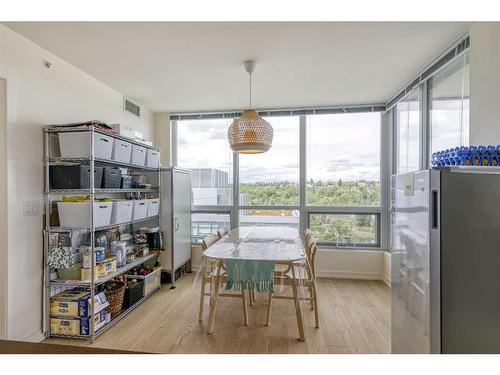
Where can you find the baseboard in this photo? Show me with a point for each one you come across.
(386, 280)
(329, 274)
(35, 337)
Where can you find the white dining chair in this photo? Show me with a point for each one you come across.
(208, 276)
(307, 278)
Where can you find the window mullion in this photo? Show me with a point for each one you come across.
(303, 172)
(235, 214)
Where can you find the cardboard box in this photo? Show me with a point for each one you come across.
(76, 326)
(76, 303)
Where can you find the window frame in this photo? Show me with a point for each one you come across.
(381, 211)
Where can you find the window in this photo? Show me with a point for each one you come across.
(272, 178)
(353, 230)
(341, 155)
(262, 218)
(343, 159)
(408, 132)
(449, 96)
(202, 147)
(203, 224)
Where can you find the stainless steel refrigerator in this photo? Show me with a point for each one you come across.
(445, 261)
(175, 219)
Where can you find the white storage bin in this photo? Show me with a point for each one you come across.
(77, 214)
(153, 207)
(77, 145)
(122, 211)
(153, 158)
(138, 155)
(122, 151)
(140, 210)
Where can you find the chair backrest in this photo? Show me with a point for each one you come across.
(209, 241)
(222, 232)
(307, 233)
(311, 248)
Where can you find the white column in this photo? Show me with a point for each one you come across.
(485, 83)
(163, 137)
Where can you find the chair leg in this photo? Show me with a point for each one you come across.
(253, 296)
(250, 297)
(269, 309)
(202, 298)
(245, 309)
(315, 301)
(311, 295)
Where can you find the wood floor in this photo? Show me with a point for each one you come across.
(354, 318)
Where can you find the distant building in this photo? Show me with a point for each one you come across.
(211, 187)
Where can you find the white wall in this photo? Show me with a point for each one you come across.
(37, 96)
(3, 210)
(485, 83)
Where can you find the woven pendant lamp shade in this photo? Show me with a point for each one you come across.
(250, 134)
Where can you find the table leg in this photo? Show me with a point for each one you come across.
(296, 299)
(211, 318)
(245, 309)
(269, 309)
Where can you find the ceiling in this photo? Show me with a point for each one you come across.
(197, 66)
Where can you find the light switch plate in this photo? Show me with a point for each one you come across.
(31, 208)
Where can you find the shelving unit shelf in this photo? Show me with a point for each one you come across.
(51, 158)
(110, 226)
(103, 279)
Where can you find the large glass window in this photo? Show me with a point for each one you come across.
(449, 97)
(272, 178)
(341, 155)
(202, 146)
(354, 230)
(408, 117)
(343, 159)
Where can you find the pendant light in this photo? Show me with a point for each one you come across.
(250, 133)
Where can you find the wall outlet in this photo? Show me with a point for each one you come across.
(31, 208)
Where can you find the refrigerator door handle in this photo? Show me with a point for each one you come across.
(176, 224)
(435, 210)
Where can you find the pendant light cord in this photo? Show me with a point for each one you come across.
(250, 79)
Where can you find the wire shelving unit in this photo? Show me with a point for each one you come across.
(50, 135)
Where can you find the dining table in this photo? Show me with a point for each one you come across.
(281, 245)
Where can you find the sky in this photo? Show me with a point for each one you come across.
(340, 146)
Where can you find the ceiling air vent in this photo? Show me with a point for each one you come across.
(132, 108)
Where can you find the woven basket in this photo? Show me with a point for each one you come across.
(115, 292)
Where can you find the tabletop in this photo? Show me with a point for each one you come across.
(280, 244)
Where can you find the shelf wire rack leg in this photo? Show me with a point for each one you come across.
(92, 233)
(46, 237)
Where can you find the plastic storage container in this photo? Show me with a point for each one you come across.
(77, 214)
(133, 293)
(122, 151)
(122, 211)
(112, 178)
(127, 182)
(73, 176)
(138, 155)
(140, 210)
(77, 145)
(152, 281)
(153, 158)
(153, 207)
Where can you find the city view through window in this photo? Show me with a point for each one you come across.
(343, 170)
